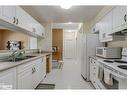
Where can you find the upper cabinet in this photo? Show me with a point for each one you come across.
(15, 17)
(22, 19)
(105, 26)
(119, 18)
(8, 13)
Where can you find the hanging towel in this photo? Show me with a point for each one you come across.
(108, 77)
(100, 72)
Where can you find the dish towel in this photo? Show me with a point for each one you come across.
(108, 77)
(100, 72)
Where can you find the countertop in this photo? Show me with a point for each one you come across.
(112, 66)
(7, 65)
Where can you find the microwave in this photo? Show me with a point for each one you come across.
(109, 52)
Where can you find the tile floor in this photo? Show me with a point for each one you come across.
(68, 78)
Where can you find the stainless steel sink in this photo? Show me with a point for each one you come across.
(17, 59)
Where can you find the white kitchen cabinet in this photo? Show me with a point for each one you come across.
(30, 74)
(105, 28)
(119, 18)
(38, 74)
(24, 74)
(22, 19)
(44, 67)
(8, 78)
(8, 14)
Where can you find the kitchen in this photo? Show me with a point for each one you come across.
(97, 42)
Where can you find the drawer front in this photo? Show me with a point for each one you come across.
(25, 66)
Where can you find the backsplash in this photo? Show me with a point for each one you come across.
(118, 43)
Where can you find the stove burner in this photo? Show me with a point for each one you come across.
(120, 61)
(109, 61)
(123, 67)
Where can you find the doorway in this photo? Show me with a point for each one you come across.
(57, 44)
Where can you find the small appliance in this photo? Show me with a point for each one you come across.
(109, 52)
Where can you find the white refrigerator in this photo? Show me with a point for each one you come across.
(88, 48)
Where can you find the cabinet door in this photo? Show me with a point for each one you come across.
(105, 27)
(25, 80)
(119, 16)
(22, 18)
(44, 67)
(37, 75)
(8, 13)
(8, 78)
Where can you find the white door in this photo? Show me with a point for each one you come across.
(37, 75)
(8, 13)
(8, 78)
(69, 45)
(22, 17)
(25, 80)
(119, 16)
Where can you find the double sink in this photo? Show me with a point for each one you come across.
(16, 59)
(16, 56)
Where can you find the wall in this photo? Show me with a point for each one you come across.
(46, 43)
(57, 40)
(10, 35)
(118, 43)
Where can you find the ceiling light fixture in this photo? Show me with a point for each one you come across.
(66, 6)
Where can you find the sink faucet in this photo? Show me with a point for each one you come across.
(13, 55)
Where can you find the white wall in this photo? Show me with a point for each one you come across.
(78, 45)
(46, 43)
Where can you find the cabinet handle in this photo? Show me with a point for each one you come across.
(125, 17)
(17, 21)
(14, 19)
(32, 70)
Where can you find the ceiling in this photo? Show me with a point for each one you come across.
(56, 14)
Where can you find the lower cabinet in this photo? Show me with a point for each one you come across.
(30, 74)
(8, 79)
(25, 79)
(37, 74)
(44, 67)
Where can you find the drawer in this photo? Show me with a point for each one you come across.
(28, 65)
